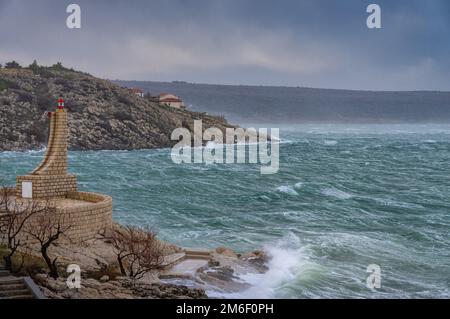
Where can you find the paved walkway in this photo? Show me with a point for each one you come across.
(187, 265)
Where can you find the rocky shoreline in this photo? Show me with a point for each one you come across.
(100, 278)
(120, 288)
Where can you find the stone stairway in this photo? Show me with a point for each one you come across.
(17, 287)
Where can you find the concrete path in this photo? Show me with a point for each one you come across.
(187, 266)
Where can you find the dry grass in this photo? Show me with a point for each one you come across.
(27, 264)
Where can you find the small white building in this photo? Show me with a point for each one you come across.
(138, 92)
(171, 100)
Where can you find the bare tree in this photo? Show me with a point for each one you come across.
(47, 228)
(16, 215)
(138, 250)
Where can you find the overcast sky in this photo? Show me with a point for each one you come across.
(314, 43)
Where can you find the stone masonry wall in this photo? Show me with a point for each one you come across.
(89, 220)
(45, 186)
(86, 221)
(55, 160)
(50, 178)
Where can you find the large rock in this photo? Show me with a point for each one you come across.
(226, 252)
(258, 259)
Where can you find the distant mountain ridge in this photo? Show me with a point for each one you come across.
(266, 104)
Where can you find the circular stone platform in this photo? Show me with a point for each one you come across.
(88, 214)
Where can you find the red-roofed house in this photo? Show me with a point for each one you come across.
(138, 92)
(171, 100)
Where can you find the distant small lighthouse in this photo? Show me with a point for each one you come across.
(60, 103)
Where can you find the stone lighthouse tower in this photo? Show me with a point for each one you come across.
(87, 214)
(50, 179)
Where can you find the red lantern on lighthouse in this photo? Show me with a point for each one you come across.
(60, 103)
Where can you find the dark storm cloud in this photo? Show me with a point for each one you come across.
(300, 42)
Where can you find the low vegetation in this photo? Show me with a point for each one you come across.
(138, 250)
(30, 228)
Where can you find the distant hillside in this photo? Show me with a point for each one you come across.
(102, 115)
(298, 105)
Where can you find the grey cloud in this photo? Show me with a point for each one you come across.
(308, 43)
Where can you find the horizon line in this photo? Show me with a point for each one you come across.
(287, 86)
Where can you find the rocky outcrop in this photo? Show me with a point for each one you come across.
(102, 115)
(102, 280)
(226, 252)
(226, 268)
(120, 288)
(101, 277)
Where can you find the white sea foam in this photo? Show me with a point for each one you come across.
(30, 152)
(285, 266)
(298, 185)
(42, 150)
(287, 190)
(334, 192)
(330, 142)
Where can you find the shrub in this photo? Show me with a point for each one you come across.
(69, 76)
(123, 116)
(25, 96)
(17, 216)
(12, 65)
(105, 125)
(39, 130)
(44, 102)
(25, 264)
(138, 251)
(47, 229)
(6, 84)
(34, 67)
(74, 106)
(44, 72)
(124, 100)
(62, 81)
(5, 101)
(59, 67)
(3, 85)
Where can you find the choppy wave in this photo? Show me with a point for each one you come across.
(287, 190)
(298, 185)
(333, 192)
(330, 142)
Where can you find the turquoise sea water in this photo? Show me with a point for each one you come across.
(345, 197)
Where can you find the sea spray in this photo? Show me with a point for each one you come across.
(288, 263)
(287, 190)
